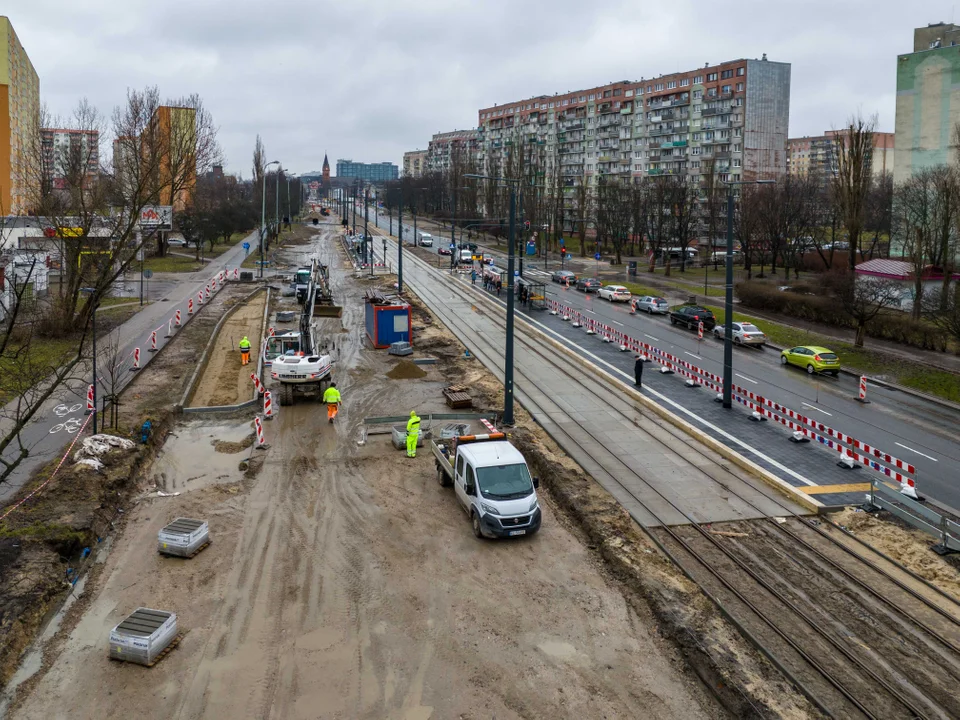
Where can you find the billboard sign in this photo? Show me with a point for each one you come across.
(156, 217)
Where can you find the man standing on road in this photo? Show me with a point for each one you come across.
(499, 286)
(413, 433)
(473, 276)
(638, 371)
(244, 351)
(331, 396)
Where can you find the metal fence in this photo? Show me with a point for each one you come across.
(917, 515)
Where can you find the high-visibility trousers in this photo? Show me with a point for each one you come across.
(331, 411)
(244, 357)
(412, 444)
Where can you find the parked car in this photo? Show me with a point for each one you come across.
(813, 358)
(744, 333)
(589, 285)
(176, 242)
(615, 293)
(444, 250)
(469, 246)
(564, 277)
(691, 316)
(651, 305)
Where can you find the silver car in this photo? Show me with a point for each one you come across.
(651, 305)
(744, 333)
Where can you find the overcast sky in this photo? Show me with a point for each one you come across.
(369, 79)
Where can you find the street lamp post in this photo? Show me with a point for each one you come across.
(728, 299)
(400, 244)
(367, 249)
(277, 204)
(263, 212)
(511, 257)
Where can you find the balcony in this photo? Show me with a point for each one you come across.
(655, 132)
(680, 101)
(710, 111)
(679, 143)
(667, 144)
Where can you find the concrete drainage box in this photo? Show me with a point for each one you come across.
(400, 437)
(183, 537)
(143, 636)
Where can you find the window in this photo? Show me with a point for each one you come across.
(684, 82)
(591, 96)
(711, 77)
(695, 164)
(697, 94)
(640, 90)
(696, 151)
(740, 71)
(659, 87)
(567, 101)
(696, 108)
(726, 74)
(736, 162)
(671, 85)
(583, 98)
(460, 465)
(606, 93)
(696, 137)
(739, 102)
(711, 92)
(723, 134)
(698, 80)
(739, 87)
(649, 88)
(628, 93)
(735, 148)
(737, 131)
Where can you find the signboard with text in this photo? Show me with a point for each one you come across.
(156, 217)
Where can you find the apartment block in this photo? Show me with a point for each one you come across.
(815, 156)
(173, 129)
(928, 100)
(66, 151)
(414, 163)
(730, 119)
(371, 172)
(443, 147)
(19, 112)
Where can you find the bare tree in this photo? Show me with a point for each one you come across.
(863, 298)
(942, 308)
(853, 150)
(914, 226)
(683, 199)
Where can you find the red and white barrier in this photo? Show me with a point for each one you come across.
(136, 359)
(236, 273)
(153, 341)
(90, 405)
(270, 332)
(862, 397)
(200, 298)
(259, 426)
(176, 319)
(488, 425)
(214, 284)
(169, 328)
(699, 332)
(190, 306)
(257, 384)
(206, 293)
(268, 405)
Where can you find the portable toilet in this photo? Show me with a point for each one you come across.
(389, 323)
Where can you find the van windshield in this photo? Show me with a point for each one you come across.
(504, 482)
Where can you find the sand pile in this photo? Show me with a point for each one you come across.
(406, 370)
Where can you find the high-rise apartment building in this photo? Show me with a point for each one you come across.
(371, 172)
(414, 163)
(444, 147)
(815, 156)
(730, 119)
(19, 114)
(65, 151)
(928, 100)
(173, 129)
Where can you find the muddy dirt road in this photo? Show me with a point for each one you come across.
(225, 381)
(343, 582)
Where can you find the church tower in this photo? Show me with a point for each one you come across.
(326, 171)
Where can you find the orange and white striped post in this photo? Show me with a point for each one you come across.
(136, 360)
(190, 306)
(862, 396)
(176, 318)
(90, 405)
(153, 341)
(268, 405)
(259, 426)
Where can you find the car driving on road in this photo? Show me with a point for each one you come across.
(744, 333)
(442, 250)
(564, 277)
(813, 358)
(651, 305)
(589, 285)
(615, 293)
(691, 316)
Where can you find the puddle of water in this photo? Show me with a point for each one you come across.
(188, 460)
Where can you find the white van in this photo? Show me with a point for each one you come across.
(465, 257)
(492, 483)
(426, 239)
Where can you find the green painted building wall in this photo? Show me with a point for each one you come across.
(928, 109)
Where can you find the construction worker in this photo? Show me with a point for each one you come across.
(331, 396)
(413, 433)
(244, 351)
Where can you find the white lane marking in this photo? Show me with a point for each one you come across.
(617, 323)
(746, 378)
(814, 407)
(691, 354)
(652, 337)
(916, 451)
(590, 311)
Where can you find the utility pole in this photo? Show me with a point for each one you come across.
(508, 353)
(453, 228)
(354, 203)
(400, 244)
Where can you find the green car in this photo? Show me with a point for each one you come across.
(814, 359)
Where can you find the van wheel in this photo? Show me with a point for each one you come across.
(475, 522)
(442, 477)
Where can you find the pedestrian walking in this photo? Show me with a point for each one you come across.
(638, 371)
(331, 396)
(499, 286)
(413, 433)
(473, 277)
(244, 351)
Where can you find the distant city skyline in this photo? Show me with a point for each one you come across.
(374, 100)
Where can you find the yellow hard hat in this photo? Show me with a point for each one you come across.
(413, 413)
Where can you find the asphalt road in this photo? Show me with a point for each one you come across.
(60, 420)
(918, 432)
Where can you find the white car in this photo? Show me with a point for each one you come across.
(650, 305)
(426, 239)
(744, 333)
(615, 293)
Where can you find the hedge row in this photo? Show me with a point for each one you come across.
(816, 306)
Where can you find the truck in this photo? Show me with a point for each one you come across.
(492, 484)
